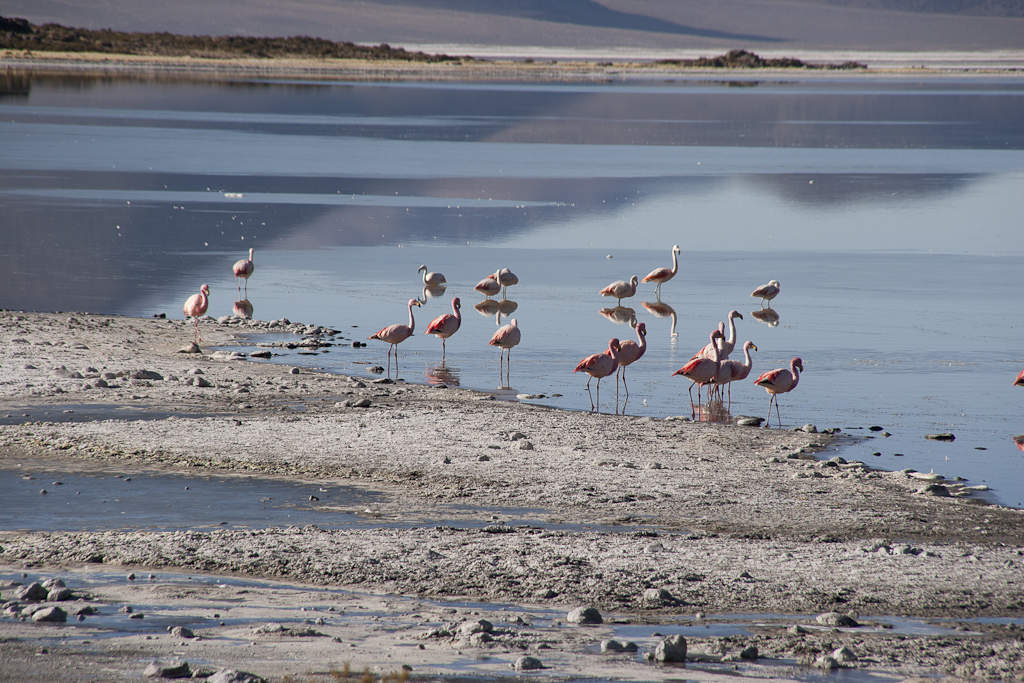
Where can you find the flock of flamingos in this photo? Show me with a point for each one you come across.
(709, 367)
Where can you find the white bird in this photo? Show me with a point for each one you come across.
(663, 275)
(620, 289)
(431, 279)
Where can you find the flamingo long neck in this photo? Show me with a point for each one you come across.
(250, 253)
(424, 276)
(747, 362)
(412, 323)
(675, 262)
(732, 331)
(203, 300)
(796, 375)
(614, 353)
(455, 310)
(715, 356)
(641, 341)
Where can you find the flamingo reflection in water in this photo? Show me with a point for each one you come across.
(1019, 441)
(662, 310)
(498, 309)
(396, 334)
(600, 365)
(506, 337)
(768, 316)
(243, 308)
(431, 292)
(622, 315)
(447, 375)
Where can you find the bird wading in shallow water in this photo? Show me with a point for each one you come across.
(244, 268)
(506, 278)
(630, 352)
(488, 286)
(600, 365)
(780, 381)
(735, 371)
(701, 371)
(446, 325)
(766, 292)
(620, 289)
(504, 338)
(431, 279)
(195, 307)
(663, 275)
(396, 334)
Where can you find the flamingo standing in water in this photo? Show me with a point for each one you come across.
(600, 365)
(244, 268)
(780, 381)
(506, 337)
(663, 275)
(629, 353)
(766, 292)
(431, 279)
(735, 371)
(446, 325)
(701, 370)
(396, 334)
(620, 289)
(195, 307)
(1019, 382)
(506, 278)
(488, 286)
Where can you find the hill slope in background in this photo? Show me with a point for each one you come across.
(894, 25)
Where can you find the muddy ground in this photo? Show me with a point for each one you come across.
(716, 519)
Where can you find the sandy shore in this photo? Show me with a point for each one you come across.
(717, 519)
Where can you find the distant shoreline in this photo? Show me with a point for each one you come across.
(578, 70)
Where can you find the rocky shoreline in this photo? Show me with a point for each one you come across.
(716, 519)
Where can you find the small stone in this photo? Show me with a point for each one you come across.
(658, 597)
(233, 676)
(934, 490)
(836, 619)
(294, 371)
(51, 614)
(147, 374)
(34, 592)
(59, 594)
(182, 632)
(480, 639)
(176, 670)
(671, 649)
(809, 428)
(191, 348)
(478, 626)
(826, 662)
(362, 403)
(202, 382)
(528, 664)
(844, 654)
(584, 615)
(525, 446)
(944, 436)
(875, 428)
(797, 630)
(749, 653)
(618, 646)
(748, 421)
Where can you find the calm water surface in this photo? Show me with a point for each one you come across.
(888, 208)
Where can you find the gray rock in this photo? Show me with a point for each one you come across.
(659, 597)
(528, 664)
(295, 371)
(191, 348)
(584, 615)
(232, 676)
(825, 662)
(525, 446)
(748, 421)
(101, 384)
(480, 639)
(944, 436)
(260, 354)
(383, 380)
(797, 630)
(50, 614)
(175, 670)
(146, 374)
(934, 490)
(671, 649)
(34, 592)
(844, 655)
(182, 632)
(749, 653)
(59, 594)
(809, 428)
(53, 583)
(478, 626)
(618, 646)
(836, 619)
(516, 436)
(361, 403)
(202, 382)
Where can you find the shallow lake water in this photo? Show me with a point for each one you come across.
(887, 207)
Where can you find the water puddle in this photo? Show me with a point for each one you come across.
(46, 495)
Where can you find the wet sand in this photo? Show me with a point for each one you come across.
(735, 519)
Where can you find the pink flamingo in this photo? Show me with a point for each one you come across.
(629, 353)
(735, 371)
(488, 286)
(506, 337)
(663, 275)
(431, 279)
(600, 365)
(1019, 382)
(446, 325)
(707, 351)
(700, 371)
(195, 307)
(396, 334)
(766, 292)
(620, 289)
(780, 381)
(244, 268)
(506, 278)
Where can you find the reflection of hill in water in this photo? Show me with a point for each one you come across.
(69, 254)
